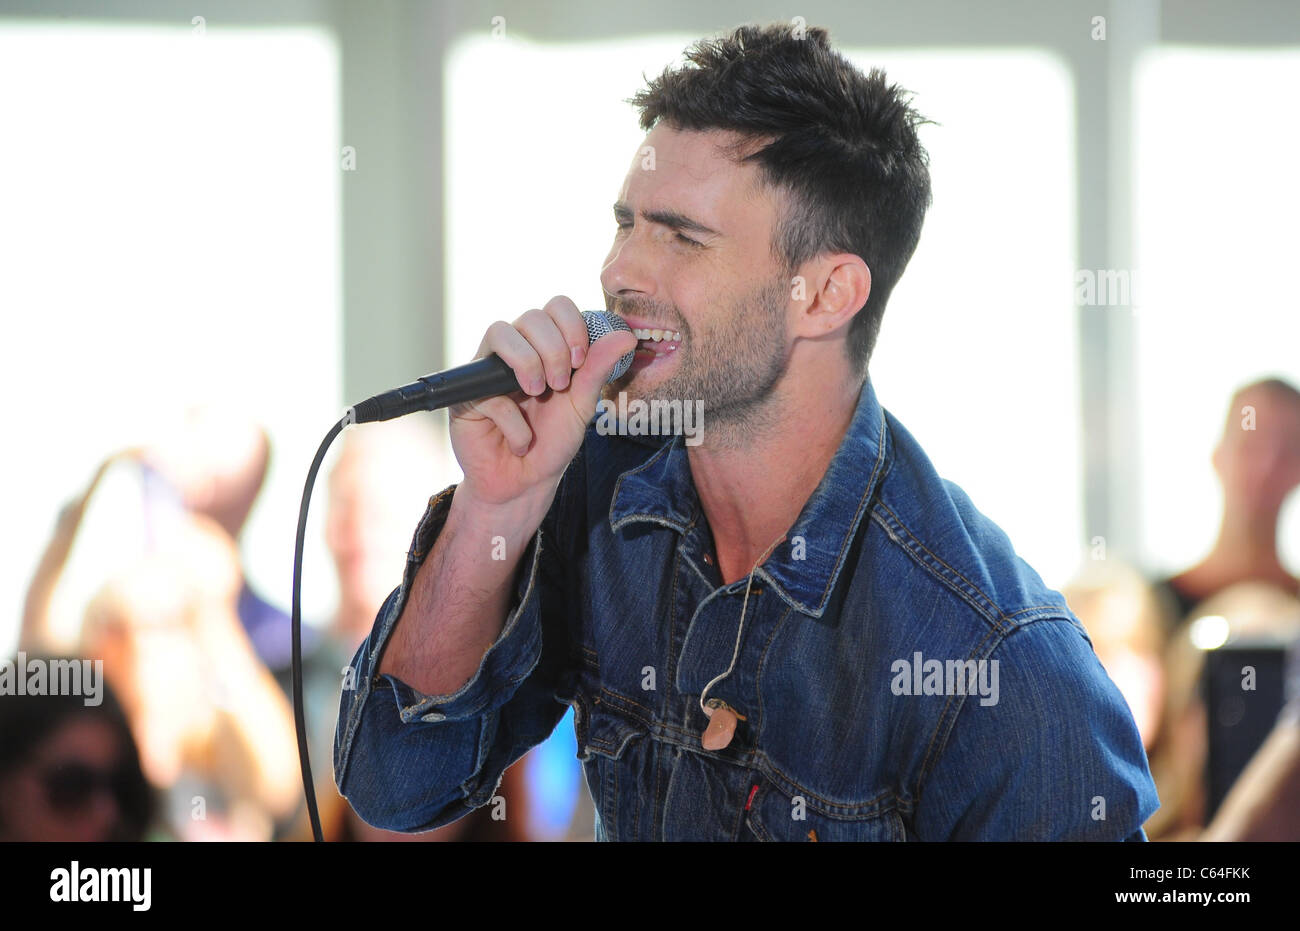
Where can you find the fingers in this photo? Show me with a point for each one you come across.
(508, 343)
(548, 343)
(569, 319)
(547, 349)
(508, 418)
(542, 347)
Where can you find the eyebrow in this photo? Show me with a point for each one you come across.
(669, 218)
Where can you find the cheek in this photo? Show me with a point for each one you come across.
(704, 306)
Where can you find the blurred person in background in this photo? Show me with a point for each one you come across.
(214, 729)
(381, 472)
(142, 571)
(70, 772)
(42, 629)
(213, 463)
(218, 461)
(1258, 464)
(1179, 747)
(1242, 579)
(1180, 752)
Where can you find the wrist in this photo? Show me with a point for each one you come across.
(516, 519)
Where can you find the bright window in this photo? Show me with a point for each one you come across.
(1217, 195)
(169, 236)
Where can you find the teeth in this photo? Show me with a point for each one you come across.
(658, 336)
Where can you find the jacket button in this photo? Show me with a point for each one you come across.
(433, 716)
(708, 560)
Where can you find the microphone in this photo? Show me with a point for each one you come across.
(482, 378)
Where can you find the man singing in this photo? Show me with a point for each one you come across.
(792, 629)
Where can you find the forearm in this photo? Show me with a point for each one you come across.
(460, 739)
(461, 594)
(1264, 803)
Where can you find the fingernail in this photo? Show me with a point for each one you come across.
(575, 353)
(537, 385)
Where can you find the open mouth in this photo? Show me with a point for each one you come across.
(656, 342)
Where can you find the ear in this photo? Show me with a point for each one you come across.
(829, 292)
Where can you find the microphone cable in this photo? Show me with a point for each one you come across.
(299, 712)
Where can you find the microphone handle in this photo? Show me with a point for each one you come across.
(482, 378)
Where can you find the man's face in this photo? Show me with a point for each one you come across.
(693, 257)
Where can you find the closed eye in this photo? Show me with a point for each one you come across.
(684, 240)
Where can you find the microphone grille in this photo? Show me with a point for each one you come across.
(599, 323)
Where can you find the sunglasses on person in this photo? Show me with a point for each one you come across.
(70, 786)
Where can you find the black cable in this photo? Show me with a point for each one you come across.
(299, 714)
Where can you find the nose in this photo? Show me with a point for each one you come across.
(627, 269)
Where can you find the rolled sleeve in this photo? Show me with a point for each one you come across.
(440, 756)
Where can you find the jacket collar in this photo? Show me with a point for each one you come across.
(805, 567)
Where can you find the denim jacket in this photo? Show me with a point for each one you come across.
(900, 673)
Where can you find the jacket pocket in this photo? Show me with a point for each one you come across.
(604, 740)
(605, 733)
(776, 815)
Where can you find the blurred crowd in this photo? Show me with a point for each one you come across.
(194, 736)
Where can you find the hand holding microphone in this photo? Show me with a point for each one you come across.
(482, 378)
(513, 453)
(507, 445)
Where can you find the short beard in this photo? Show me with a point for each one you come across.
(732, 365)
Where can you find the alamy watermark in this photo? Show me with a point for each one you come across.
(920, 676)
(22, 676)
(103, 884)
(655, 417)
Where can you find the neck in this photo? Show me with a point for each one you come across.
(1247, 539)
(753, 479)
(1246, 550)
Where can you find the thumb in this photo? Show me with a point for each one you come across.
(590, 378)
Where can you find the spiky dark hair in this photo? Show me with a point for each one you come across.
(843, 145)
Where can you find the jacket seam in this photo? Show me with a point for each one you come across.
(975, 597)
